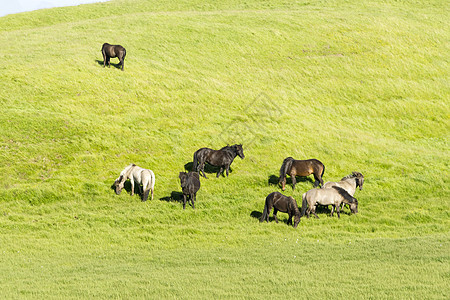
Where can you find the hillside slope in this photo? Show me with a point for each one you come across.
(361, 87)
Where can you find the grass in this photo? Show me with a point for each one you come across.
(360, 86)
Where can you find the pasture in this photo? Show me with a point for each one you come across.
(361, 86)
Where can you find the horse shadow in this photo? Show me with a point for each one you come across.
(208, 168)
(174, 196)
(117, 66)
(274, 180)
(257, 215)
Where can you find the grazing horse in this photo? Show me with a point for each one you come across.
(301, 168)
(109, 51)
(348, 183)
(137, 175)
(220, 158)
(282, 203)
(190, 184)
(327, 196)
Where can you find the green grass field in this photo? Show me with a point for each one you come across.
(361, 86)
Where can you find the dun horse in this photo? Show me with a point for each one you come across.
(294, 168)
(348, 183)
(190, 184)
(327, 196)
(280, 202)
(137, 175)
(220, 158)
(111, 51)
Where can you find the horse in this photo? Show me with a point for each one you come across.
(109, 51)
(137, 175)
(282, 203)
(301, 168)
(348, 183)
(190, 184)
(327, 196)
(220, 158)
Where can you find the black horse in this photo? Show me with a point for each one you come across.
(220, 158)
(190, 184)
(109, 51)
(282, 203)
(295, 167)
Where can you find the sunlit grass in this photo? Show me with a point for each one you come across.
(359, 87)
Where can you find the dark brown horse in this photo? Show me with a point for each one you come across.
(190, 184)
(280, 202)
(307, 167)
(220, 158)
(109, 51)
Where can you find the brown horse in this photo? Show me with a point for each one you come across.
(109, 51)
(190, 184)
(301, 168)
(280, 202)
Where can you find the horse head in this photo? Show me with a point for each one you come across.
(359, 179)
(354, 206)
(183, 177)
(297, 213)
(118, 184)
(239, 150)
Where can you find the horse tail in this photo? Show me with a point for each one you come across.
(152, 184)
(194, 164)
(266, 212)
(145, 196)
(323, 169)
(287, 164)
(303, 205)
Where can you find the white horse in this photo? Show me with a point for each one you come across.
(348, 183)
(327, 196)
(138, 175)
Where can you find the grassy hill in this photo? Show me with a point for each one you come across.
(360, 86)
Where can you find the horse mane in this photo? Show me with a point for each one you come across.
(344, 194)
(349, 176)
(229, 149)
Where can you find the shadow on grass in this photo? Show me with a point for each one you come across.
(117, 66)
(257, 215)
(174, 197)
(208, 169)
(273, 180)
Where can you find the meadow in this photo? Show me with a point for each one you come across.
(361, 86)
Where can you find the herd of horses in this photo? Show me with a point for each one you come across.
(336, 194)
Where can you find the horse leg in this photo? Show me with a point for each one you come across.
(294, 181)
(220, 171)
(121, 61)
(338, 210)
(314, 212)
(318, 180)
(184, 201)
(193, 200)
(275, 214)
(152, 192)
(228, 169)
(104, 58)
(132, 187)
(332, 209)
(202, 169)
(289, 222)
